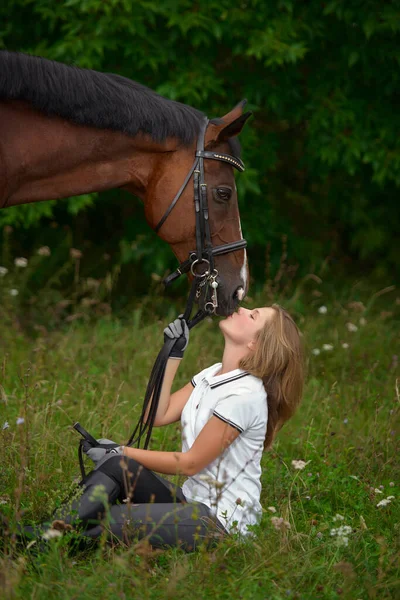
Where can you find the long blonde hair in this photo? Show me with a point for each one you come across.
(278, 359)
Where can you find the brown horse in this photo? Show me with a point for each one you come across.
(66, 131)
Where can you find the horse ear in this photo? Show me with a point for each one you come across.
(230, 125)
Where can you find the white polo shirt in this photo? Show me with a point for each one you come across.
(230, 486)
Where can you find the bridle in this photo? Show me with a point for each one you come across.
(202, 257)
(204, 254)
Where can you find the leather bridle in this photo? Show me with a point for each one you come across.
(203, 256)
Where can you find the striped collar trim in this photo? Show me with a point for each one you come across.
(215, 381)
(228, 380)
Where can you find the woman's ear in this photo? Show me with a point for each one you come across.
(251, 345)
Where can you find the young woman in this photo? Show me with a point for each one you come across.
(230, 412)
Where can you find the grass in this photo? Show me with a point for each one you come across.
(346, 430)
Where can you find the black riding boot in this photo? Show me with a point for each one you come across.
(85, 511)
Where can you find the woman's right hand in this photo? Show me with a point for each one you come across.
(177, 330)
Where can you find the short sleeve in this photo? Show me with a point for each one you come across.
(239, 410)
(197, 378)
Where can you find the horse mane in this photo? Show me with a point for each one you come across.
(94, 99)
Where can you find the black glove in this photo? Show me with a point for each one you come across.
(177, 330)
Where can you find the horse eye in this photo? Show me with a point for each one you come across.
(223, 193)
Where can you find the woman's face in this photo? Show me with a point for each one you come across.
(242, 326)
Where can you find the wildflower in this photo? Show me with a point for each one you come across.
(338, 517)
(20, 420)
(345, 346)
(351, 327)
(51, 533)
(316, 351)
(391, 484)
(322, 310)
(345, 421)
(5, 425)
(385, 501)
(44, 251)
(75, 253)
(342, 534)
(271, 508)
(14, 292)
(327, 347)
(21, 262)
(279, 523)
(378, 491)
(3, 271)
(299, 464)
(319, 535)
(362, 321)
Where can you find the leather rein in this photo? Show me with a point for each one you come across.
(202, 257)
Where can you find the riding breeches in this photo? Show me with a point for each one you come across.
(152, 507)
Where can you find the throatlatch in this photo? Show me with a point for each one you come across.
(201, 265)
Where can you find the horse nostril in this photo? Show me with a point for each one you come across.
(239, 294)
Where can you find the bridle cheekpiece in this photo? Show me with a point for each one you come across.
(205, 251)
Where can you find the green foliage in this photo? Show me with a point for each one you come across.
(322, 78)
(345, 430)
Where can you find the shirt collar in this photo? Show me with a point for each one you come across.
(218, 380)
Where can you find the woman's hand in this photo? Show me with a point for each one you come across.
(105, 450)
(177, 330)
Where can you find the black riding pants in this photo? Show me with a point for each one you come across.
(157, 510)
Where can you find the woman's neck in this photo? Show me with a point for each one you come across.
(231, 358)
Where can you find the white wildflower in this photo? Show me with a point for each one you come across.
(378, 491)
(345, 345)
(351, 327)
(342, 533)
(5, 425)
(20, 420)
(299, 464)
(21, 262)
(316, 351)
(271, 508)
(51, 533)
(338, 517)
(44, 251)
(279, 523)
(345, 421)
(391, 484)
(322, 310)
(385, 501)
(14, 292)
(3, 271)
(362, 321)
(2, 501)
(327, 347)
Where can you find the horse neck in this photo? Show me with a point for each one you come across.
(46, 158)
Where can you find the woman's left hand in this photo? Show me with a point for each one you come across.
(106, 449)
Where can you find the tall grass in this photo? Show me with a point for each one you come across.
(346, 431)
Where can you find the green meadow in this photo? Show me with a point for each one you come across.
(330, 529)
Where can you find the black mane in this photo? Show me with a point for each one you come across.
(101, 100)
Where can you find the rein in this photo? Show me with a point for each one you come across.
(201, 258)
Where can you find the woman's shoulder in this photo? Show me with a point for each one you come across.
(211, 370)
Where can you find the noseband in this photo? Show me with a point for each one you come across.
(203, 256)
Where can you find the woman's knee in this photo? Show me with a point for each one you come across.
(118, 464)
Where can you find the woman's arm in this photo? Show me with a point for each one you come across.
(170, 406)
(165, 394)
(212, 440)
